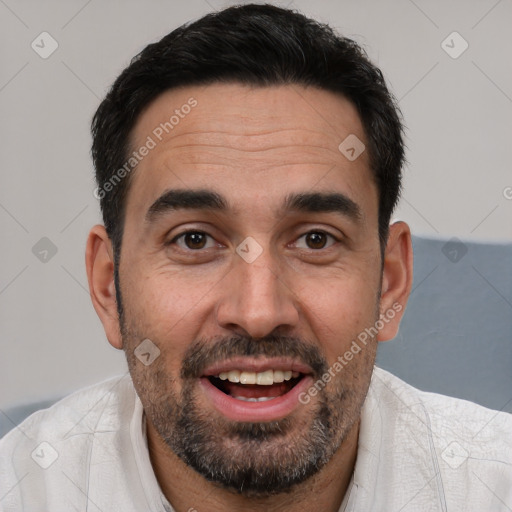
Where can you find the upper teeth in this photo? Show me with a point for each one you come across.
(265, 378)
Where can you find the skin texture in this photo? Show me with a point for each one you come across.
(308, 298)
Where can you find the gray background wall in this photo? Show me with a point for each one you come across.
(457, 182)
(456, 335)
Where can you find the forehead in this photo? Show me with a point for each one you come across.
(249, 143)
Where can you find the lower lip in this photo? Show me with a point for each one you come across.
(269, 410)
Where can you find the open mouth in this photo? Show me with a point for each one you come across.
(256, 390)
(256, 387)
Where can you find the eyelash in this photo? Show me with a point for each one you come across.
(195, 231)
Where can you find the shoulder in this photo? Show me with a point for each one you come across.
(76, 412)
(462, 447)
(446, 414)
(56, 443)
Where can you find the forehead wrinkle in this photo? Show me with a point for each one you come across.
(273, 157)
(250, 142)
(295, 154)
(254, 150)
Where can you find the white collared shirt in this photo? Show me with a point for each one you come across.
(417, 452)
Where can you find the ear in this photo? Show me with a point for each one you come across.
(99, 263)
(396, 279)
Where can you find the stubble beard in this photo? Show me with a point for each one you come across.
(254, 459)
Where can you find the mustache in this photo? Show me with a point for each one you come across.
(204, 353)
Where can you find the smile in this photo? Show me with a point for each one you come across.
(256, 390)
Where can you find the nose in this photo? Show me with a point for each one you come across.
(257, 299)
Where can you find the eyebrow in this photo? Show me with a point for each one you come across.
(323, 202)
(186, 199)
(202, 199)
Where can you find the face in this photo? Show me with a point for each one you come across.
(251, 260)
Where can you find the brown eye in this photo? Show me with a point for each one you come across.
(192, 240)
(316, 240)
(195, 240)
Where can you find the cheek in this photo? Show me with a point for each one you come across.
(168, 309)
(338, 313)
(159, 300)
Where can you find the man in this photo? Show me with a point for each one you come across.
(247, 166)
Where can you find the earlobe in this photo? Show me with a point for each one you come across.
(100, 275)
(396, 279)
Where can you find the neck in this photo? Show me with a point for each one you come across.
(187, 490)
